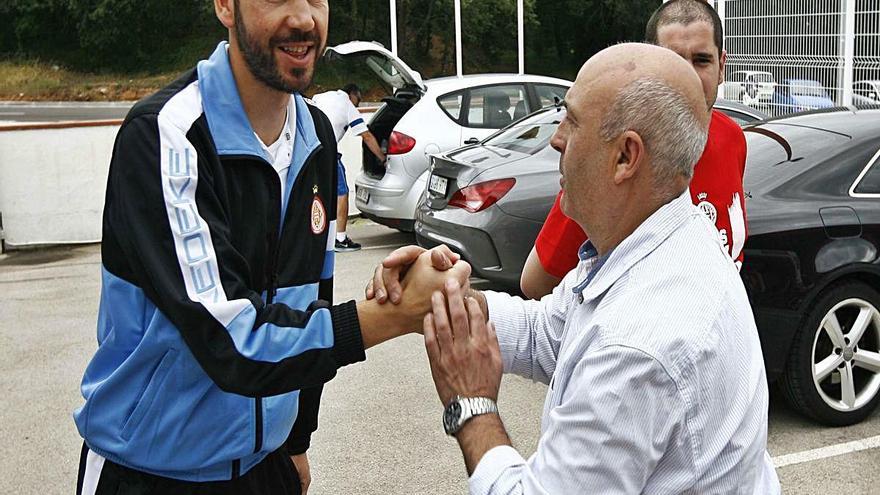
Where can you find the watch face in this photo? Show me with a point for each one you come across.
(451, 416)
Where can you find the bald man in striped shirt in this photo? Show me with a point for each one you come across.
(649, 347)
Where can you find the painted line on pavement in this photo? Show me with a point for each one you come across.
(826, 452)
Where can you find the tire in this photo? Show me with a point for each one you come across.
(821, 368)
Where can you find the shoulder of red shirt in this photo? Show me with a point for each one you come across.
(724, 127)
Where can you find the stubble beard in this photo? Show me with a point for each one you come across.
(261, 61)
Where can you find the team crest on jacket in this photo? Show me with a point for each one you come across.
(707, 208)
(319, 214)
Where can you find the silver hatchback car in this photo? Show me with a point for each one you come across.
(428, 117)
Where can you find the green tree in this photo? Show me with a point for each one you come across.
(137, 35)
(37, 28)
(162, 35)
(570, 31)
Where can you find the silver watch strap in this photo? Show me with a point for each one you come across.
(470, 407)
(480, 405)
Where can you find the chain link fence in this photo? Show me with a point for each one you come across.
(786, 56)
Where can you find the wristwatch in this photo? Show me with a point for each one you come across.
(462, 409)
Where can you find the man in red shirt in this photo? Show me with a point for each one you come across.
(692, 29)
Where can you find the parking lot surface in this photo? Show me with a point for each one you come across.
(380, 430)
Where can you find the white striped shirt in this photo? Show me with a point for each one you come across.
(655, 370)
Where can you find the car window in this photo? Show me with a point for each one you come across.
(494, 107)
(547, 94)
(870, 181)
(385, 69)
(739, 118)
(530, 135)
(865, 90)
(807, 88)
(451, 104)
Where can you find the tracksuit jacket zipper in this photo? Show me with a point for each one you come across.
(271, 290)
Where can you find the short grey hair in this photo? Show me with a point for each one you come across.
(667, 124)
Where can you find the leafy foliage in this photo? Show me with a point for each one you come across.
(162, 35)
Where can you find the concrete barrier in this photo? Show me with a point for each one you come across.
(53, 178)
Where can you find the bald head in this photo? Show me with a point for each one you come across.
(636, 124)
(613, 68)
(655, 93)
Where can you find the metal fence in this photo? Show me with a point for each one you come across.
(785, 56)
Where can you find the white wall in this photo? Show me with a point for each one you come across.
(352, 157)
(52, 182)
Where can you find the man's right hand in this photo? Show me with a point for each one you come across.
(423, 279)
(411, 273)
(386, 282)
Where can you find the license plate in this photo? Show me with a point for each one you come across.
(362, 194)
(438, 185)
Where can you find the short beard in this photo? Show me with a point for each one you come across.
(261, 62)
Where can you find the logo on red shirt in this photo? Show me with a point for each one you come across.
(707, 207)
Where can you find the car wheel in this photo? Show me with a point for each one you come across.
(833, 369)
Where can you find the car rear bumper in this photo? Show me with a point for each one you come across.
(482, 239)
(392, 198)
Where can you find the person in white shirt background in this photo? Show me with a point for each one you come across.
(341, 108)
(649, 347)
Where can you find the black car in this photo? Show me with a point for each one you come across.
(812, 268)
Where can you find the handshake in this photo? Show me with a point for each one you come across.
(427, 291)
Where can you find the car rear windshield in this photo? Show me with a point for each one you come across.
(779, 151)
(530, 135)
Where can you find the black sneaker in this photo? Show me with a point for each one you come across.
(347, 245)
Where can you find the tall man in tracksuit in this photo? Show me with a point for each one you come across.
(215, 327)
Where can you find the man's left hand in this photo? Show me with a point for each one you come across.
(301, 462)
(462, 347)
(385, 284)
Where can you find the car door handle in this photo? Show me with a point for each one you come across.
(472, 141)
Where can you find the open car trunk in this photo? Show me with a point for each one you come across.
(388, 115)
(394, 72)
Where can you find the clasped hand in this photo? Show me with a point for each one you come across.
(462, 346)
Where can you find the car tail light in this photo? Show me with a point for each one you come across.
(480, 196)
(399, 143)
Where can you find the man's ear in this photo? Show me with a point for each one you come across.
(630, 155)
(721, 63)
(225, 12)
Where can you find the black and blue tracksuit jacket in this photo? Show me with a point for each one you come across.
(215, 326)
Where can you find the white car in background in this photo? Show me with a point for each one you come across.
(866, 93)
(749, 86)
(428, 117)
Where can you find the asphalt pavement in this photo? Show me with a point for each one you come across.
(380, 430)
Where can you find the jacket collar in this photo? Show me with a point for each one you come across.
(229, 125)
(638, 245)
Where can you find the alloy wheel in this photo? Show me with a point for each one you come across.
(846, 355)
